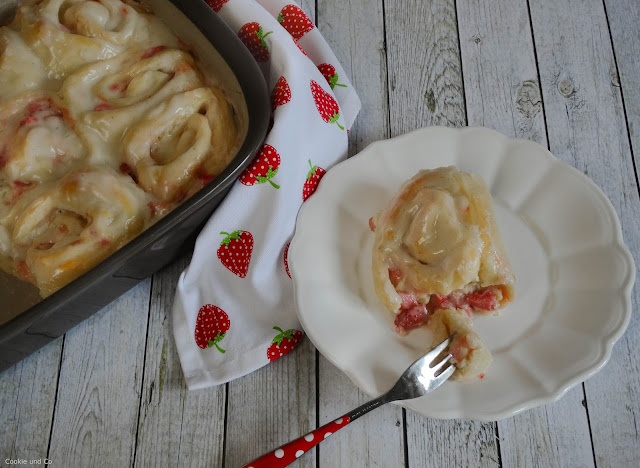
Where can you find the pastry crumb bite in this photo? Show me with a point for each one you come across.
(469, 354)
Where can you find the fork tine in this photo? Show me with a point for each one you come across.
(441, 364)
(439, 380)
(431, 355)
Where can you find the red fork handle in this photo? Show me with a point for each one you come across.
(286, 454)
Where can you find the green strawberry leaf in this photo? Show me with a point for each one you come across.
(312, 171)
(261, 36)
(270, 175)
(334, 119)
(227, 240)
(215, 342)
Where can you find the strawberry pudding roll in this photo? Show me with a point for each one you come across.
(437, 246)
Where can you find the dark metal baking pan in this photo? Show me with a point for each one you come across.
(162, 242)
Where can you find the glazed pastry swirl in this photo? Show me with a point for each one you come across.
(184, 137)
(107, 123)
(63, 229)
(439, 236)
(66, 34)
(109, 96)
(37, 140)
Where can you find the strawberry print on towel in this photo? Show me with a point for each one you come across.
(295, 21)
(216, 5)
(252, 35)
(235, 252)
(313, 179)
(240, 263)
(283, 342)
(326, 104)
(212, 325)
(330, 74)
(286, 260)
(281, 93)
(263, 169)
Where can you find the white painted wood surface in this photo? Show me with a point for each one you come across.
(112, 394)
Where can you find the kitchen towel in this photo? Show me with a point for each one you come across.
(234, 309)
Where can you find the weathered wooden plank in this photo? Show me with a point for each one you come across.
(176, 427)
(271, 406)
(376, 439)
(586, 127)
(624, 18)
(426, 88)
(499, 68)
(425, 83)
(96, 414)
(27, 398)
(355, 31)
(502, 92)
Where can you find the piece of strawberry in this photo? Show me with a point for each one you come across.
(330, 74)
(212, 325)
(294, 20)
(286, 263)
(281, 93)
(326, 104)
(263, 168)
(252, 35)
(313, 179)
(235, 252)
(283, 342)
(216, 4)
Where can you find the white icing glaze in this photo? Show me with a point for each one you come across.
(106, 123)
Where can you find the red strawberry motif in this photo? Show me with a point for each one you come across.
(212, 325)
(281, 93)
(252, 36)
(263, 169)
(283, 342)
(330, 74)
(313, 179)
(235, 252)
(216, 4)
(286, 263)
(294, 20)
(326, 105)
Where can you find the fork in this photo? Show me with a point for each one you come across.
(423, 376)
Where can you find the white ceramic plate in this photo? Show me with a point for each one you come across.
(574, 274)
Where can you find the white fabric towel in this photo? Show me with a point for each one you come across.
(234, 308)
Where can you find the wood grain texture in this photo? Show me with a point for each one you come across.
(96, 416)
(426, 88)
(176, 427)
(624, 18)
(425, 83)
(375, 440)
(355, 31)
(271, 406)
(27, 398)
(435, 443)
(587, 129)
(502, 92)
(499, 68)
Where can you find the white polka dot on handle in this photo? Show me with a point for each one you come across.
(308, 437)
(299, 453)
(327, 435)
(338, 421)
(279, 453)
